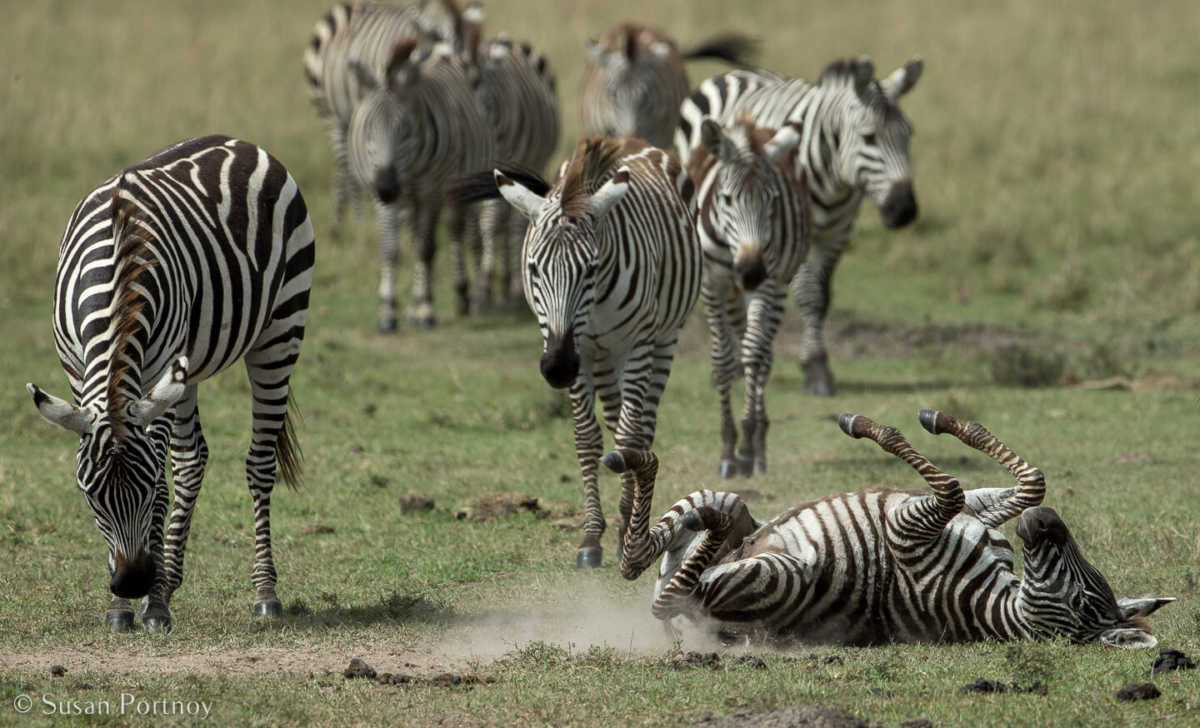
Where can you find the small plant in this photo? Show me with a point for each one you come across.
(1017, 365)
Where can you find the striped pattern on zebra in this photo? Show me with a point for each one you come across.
(752, 216)
(168, 273)
(518, 92)
(880, 566)
(418, 126)
(855, 144)
(363, 33)
(634, 80)
(612, 270)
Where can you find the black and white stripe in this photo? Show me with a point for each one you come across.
(854, 145)
(881, 566)
(752, 216)
(168, 273)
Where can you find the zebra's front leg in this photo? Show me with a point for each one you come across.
(724, 364)
(464, 233)
(764, 312)
(492, 228)
(389, 223)
(631, 431)
(812, 289)
(420, 305)
(589, 443)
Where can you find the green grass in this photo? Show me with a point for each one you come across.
(1055, 162)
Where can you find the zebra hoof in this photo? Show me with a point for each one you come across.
(422, 322)
(760, 466)
(928, 419)
(589, 557)
(387, 326)
(157, 623)
(269, 608)
(119, 620)
(817, 377)
(727, 469)
(745, 467)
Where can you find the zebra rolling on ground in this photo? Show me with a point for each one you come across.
(363, 33)
(418, 126)
(634, 80)
(752, 216)
(880, 566)
(611, 270)
(854, 145)
(168, 273)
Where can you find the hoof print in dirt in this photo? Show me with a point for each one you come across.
(995, 686)
(1144, 691)
(58, 670)
(802, 716)
(498, 505)
(358, 668)
(1168, 660)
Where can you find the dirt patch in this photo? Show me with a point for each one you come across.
(1144, 691)
(413, 502)
(803, 716)
(490, 506)
(995, 686)
(1168, 660)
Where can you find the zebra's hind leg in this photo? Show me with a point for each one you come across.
(675, 597)
(812, 289)
(420, 304)
(493, 224)
(344, 187)
(463, 231)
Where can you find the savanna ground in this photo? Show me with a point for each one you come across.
(1049, 290)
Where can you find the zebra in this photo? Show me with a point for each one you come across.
(855, 144)
(363, 33)
(612, 270)
(634, 80)
(879, 566)
(417, 126)
(518, 92)
(169, 272)
(752, 216)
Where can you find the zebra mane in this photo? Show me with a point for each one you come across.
(627, 38)
(132, 257)
(594, 159)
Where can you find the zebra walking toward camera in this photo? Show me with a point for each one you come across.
(634, 80)
(612, 270)
(518, 92)
(363, 33)
(168, 273)
(854, 145)
(752, 216)
(880, 566)
(418, 126)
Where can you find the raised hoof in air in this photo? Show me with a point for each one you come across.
(157, 622)
(589, 557)
(817, 377)
(269, 608)
(119, 620)
(727, 469)
(387, 326)
(928, 419)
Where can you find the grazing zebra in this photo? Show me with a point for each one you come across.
(612, 269)
(517, 90)
(752, 217)
(855, 144)
(634, 80)
(364, 33)
(881, 566)
(417, 126)
(169, 272)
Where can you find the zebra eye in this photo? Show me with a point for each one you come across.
(726, 198)
(532, 266)
(869, 139)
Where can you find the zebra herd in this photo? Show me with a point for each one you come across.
(176, 267)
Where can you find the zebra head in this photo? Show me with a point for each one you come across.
(633, 60)
(745, 191)
(1065, 595)
(384, 134)
(119, 468)
(562, 255)
(871, 141)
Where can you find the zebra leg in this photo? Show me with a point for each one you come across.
(812, 289)
(462, 230)
(920, 520)
(637, 550)
(512, 286)
(344, 187)
(765, 588)
(631, 428)
(389, 224)
(420, 305)
(493, 219)
(676, 597)
(764, 312)
(725, 365)
(588, 445)
(1031, 483)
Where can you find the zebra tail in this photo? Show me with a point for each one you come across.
(475, 186)
(733, 48)
(288, 456)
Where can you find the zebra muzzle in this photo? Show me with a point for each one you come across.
(750, 270)
(387, 189)
(560, 362)
(899, 208)
(133, 578)
(1042, 523)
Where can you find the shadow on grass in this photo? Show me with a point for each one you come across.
(394, 607)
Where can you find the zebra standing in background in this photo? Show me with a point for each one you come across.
(881, 566)
(517, 90)
(752, 216)
(168, 273)
(855, 144)
(634, 80)
(363, 33)
(612, 270)
(418, 126)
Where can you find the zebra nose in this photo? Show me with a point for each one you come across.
(133, 578)
(751, 271)
(560, 362)
(900, 206)
(386, 187)
(1041, 523)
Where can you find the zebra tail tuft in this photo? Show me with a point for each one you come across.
(733, 48)
(475, 186)
(288, 456)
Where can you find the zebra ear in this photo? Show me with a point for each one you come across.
(608, 195)
(713, 137)
(61, 412)
(528, 203)
(901, 81)
(864, 75)
(365, 78)
(1141, 607)
(164, 395)
(784, 141)
(1130, 638)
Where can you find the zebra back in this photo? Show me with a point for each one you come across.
(517, 90)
